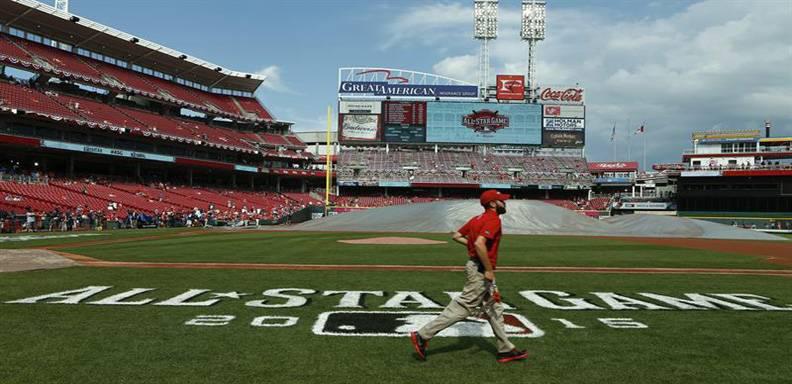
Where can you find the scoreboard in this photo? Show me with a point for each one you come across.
(404, 121)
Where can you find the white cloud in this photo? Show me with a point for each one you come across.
(428, 24)
(713, 65)
(463, 68)
(274, 81)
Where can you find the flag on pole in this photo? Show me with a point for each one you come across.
(613, 132)
(639, 130)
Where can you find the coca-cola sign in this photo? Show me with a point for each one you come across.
(570, 95)
(485, 120)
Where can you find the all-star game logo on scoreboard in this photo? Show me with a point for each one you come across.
(485, 120)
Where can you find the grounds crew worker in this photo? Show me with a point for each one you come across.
(481, 235)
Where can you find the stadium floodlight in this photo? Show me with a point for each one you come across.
(62, 5)
(485, 14)
(532, 31)
(485, 28)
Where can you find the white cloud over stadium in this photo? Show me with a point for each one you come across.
(711, 65)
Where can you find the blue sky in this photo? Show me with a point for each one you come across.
(678, 65)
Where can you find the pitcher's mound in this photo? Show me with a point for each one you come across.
(393, 241)
(15, 260)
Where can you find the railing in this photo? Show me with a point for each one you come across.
(743, 151)
(26, 179)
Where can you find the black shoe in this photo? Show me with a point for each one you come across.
(513, 355)
(419, 344)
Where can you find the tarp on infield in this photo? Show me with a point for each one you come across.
(529, 217)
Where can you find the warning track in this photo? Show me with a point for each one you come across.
(91, 262)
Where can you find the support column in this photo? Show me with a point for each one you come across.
(304, 186)
(137, 171)
(440, 192)
(71, 166)
(386, 192)
(277, 184)
(252, 182)
(233, 180)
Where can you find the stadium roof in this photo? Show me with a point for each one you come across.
(36, 17)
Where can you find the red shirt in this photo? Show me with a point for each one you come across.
(487, 224)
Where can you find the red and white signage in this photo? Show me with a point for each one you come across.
(485, 120)
(510, 87)
(564, 111)
(614, 166)
(571, 95)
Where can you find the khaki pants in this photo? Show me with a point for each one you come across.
(474, 294)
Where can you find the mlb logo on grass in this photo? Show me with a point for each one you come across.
(397, 324)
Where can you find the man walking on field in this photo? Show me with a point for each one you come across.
(481, 235)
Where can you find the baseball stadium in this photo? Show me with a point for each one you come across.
(160, 224)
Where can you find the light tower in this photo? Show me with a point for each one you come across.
(62, 5)
(485, 28)
(532, 31)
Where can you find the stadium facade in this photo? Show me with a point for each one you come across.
(732, 173)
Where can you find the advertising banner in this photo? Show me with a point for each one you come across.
(616, 166)
(563, 139)
(644, 205)
(105, 151)
(561, 95)
(510, 87)
(563, 124)
(384, 89)
(364, 107)
(359, 127)
(484, 123)
(564, 110)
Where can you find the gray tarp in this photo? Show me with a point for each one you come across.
(524, 217)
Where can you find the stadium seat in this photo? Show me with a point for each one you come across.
(14, 96)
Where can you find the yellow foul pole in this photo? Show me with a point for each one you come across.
(329, 160)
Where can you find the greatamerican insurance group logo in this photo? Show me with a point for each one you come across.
(485, 121)
(399, 312)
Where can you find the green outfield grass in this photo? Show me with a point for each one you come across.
(85, 343)
(324, 248)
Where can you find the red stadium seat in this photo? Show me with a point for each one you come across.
(14, 96)
(62, 60)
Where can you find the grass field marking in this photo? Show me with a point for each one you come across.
(39, 236)
(401, 323)
(90, 262)
(168, 235)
